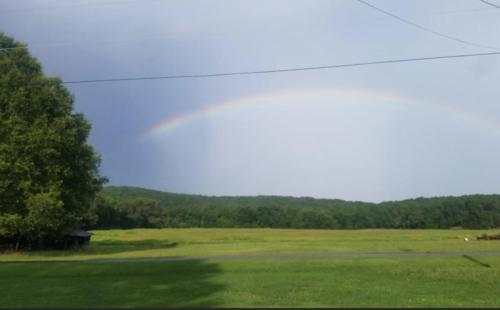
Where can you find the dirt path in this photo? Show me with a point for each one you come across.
(258, 256)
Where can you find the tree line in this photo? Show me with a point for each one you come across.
(129, 207)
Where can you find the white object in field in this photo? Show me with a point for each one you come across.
(466, 239)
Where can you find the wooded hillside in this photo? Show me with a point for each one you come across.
(127, 207)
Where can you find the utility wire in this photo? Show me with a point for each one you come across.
(491, 4)
(357, 64)
(143, 38)
(428, 29)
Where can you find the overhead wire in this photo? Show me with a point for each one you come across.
(160, 35)
(440, 34)
(490, 4)
(207, 75)
(346, 65)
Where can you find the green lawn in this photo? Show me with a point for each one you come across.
(137, 243)
(436, 282)
(293, 282)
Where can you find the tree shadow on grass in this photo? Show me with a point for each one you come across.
(187, 283)
(108, 247)
(476, 261)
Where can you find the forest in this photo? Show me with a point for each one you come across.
(131, 207)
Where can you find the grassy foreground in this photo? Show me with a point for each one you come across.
(295, 282)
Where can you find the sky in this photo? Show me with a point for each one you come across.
(372, 133)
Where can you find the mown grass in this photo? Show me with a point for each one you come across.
(137, 243)
(408, 282)
(463, 281)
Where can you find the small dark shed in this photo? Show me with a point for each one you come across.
(77, 238)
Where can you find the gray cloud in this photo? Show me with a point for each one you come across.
(365, 150)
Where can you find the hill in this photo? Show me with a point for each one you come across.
(122, 193)
(127, 207)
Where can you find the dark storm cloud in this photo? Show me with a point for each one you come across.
(355, 151)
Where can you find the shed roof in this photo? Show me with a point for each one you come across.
(79, 233)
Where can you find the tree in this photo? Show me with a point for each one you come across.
(311, 218)
(48, 173)
(143, 212)
(108, 215)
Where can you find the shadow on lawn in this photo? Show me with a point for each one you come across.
(476, 261)
(115, 246)
(173, 284)
(109, 247)
(118, 284)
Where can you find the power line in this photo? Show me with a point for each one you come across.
(428, 29)
(164, 35)
(208, 75)
(491, 4)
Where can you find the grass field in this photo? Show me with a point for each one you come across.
(462, 281)
(142, 243)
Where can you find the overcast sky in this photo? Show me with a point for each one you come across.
(369, 133)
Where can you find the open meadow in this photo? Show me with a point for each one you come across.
(260, 267)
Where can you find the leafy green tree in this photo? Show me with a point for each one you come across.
(246, 217)
(316, 219)
(107, 214)
(144, 212)
(48, 173)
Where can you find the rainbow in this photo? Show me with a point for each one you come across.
(336, 96)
